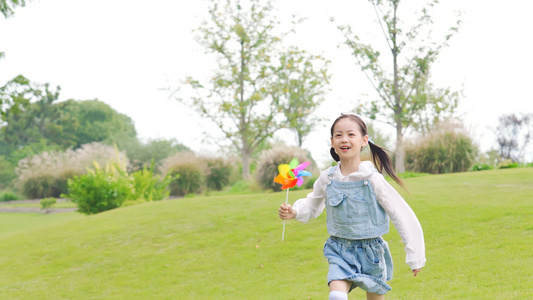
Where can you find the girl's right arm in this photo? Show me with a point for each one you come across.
(312, 205)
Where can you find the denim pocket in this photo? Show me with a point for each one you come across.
(373, 262)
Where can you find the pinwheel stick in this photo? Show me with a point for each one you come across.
(286, 199)
(290, 176)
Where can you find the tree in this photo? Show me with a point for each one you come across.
(406, 97)
(243, 97)
(41, 123)
(513, 135)
(302, 82)
(12, 96)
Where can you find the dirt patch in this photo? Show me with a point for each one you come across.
(35, 210)
(5, 208)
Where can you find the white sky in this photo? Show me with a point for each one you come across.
(125, 52)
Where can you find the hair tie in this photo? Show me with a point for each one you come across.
(370, 140)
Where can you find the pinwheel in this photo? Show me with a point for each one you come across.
(290, 175)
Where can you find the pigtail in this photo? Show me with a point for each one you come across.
(383, 161)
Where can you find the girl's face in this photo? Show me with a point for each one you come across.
(347, 139)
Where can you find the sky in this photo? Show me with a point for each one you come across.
(128, 53)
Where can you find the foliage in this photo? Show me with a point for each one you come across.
(507, 164)
(302, 81)
(269, 160)
(406, 96)
(7, 6)
(46, 174)
(189, 170)
(148, 186)
(218, 173)
(255, 78)
(142, 154)
(481, 167)
(7, 172)
(99, 189)
(12, 99)
(513, 135)
(47, 203)
(9, 196)
(447, 148)
(96, 121)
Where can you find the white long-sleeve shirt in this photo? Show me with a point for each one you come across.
(401, 215)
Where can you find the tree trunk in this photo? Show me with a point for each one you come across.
(398, 113)
(400, 153)
(246, 154)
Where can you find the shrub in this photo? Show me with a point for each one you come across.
(47, 203)
(218, 173)
(507, 164)
(46, 174)
(9, 196)
(481, 167)
(269, 160)
(149, 187)
(446, 149)
(188, 171)
(99, 190)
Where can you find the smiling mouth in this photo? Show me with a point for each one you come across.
(345, 148)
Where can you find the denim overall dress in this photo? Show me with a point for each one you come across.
(355, 250)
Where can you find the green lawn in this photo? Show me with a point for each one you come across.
(478, 228)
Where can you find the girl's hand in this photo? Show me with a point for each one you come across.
(286, 212)
(416, 271)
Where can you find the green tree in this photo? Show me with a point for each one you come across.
(302, 79)
(243, 97)
(95, 121)
(406, 97)
(13, 97)
(41, 123)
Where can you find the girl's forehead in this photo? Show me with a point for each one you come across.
(347, 124)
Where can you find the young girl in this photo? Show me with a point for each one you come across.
(359, 202)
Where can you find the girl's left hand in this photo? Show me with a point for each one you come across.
(416, 271)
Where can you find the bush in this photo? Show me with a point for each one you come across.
(149, 187)
(46, 174)
(188, 171)
(47, 203)
(269, 160)
(99, 190)
(446, 149)
(218, 173)
(507, 164)
(481, 167)
(9, 196)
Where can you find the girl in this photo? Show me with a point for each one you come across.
(359, 202)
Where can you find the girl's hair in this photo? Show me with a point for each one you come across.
(379, 155)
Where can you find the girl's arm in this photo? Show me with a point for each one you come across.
(404, 220)
(312, 205)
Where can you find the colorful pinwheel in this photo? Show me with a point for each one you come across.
(290, 175)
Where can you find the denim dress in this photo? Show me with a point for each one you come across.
(355, 250)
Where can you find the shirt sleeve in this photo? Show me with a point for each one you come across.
(312, 205)
(404, 220)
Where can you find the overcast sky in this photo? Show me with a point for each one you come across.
(125, 53)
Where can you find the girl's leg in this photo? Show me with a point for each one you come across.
(372, 296)
(338, 289)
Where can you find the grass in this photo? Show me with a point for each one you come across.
(478, 228)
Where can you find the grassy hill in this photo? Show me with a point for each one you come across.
(478, 228)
